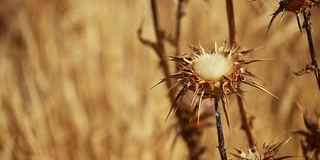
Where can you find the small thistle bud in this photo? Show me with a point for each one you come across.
(295, 6)
(267, 152)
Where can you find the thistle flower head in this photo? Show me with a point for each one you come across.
(212, 74)
(211, 67)
(267, 152)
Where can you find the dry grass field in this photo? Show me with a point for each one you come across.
(75, 79)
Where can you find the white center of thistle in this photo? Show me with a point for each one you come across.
(211, 67)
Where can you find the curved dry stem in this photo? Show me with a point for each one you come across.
(246, 122)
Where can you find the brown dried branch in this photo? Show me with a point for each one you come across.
(245, 118)
(307, 26)
(231, 22)
(158, 47)
(179, 15)
(190, 130)
(247, 124)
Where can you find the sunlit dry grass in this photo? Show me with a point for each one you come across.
(75, 79)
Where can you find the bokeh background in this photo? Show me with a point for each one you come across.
(75, 79)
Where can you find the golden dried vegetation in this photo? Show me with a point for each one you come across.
(75, 79)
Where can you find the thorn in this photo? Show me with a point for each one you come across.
(307, 69)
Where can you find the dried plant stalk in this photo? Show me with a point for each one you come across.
(231, 22)
(245, 118)
(246, 122)
(307, 25)
(190, 131)
(222, 147)
(158, 46)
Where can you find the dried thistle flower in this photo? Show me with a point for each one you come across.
(267, 152)
(295, 6)
(212, 74)
(311, 144)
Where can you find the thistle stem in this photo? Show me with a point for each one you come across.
(246, 122)
(179, 15)
(231, 23)
(246, 119)
(158, 46)
(307, 25)
(222, 148)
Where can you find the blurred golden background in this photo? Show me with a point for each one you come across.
(75, 79)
